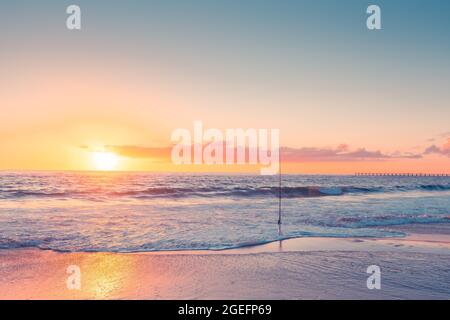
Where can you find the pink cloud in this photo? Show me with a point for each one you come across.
(339, 154)
(443, 150)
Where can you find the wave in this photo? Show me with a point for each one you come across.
(59, 245)
(347, 227)
(6, 243)
(265, 191)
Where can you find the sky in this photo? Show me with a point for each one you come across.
(344, 98)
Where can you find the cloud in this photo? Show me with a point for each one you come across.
(307, 154)
(443, 150)
(339, 154)
(439, 137)
(141, 152)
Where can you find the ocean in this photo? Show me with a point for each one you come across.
(138, 212)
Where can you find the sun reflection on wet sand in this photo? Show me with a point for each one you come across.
(105, 275)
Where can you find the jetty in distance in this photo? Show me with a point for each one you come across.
(378, 174)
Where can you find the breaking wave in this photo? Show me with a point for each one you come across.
(262, 191)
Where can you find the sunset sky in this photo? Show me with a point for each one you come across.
(345, 99)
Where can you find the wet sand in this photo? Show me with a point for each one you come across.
(414, 267)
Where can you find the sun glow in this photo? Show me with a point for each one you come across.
(105, 161)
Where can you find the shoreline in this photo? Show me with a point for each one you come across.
(427, 236)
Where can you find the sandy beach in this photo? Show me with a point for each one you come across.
(414, 267)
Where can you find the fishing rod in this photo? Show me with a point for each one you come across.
(279, 194)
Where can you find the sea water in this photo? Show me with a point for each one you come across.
(129, 212)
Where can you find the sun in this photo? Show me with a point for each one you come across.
(105, 161)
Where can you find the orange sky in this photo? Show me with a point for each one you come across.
(51, 115)
(65, 94)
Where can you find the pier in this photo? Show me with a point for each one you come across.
(375, 174)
